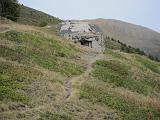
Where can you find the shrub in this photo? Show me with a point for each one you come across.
(117, 45)
(118, 74)
(47, 53)
(54, 116)
(43, 24)
(10, 9)
(98, 93)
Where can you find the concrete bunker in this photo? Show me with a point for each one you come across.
(86, 42)
(83, 33)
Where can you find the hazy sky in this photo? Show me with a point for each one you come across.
(141, 12)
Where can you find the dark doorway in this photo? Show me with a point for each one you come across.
(86, 43)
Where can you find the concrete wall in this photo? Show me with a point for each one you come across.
(78, 31)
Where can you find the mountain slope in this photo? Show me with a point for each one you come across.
(134, 35)
(31, 16)
(45, 77)
(32, 63)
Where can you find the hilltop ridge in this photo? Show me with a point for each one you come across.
(30, 16)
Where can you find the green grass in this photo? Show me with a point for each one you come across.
(54, 116)
(114, 54)
(99, 93)
(43, 24)
(145, 73)
(38, 40)
(34, 66)
(14, 79)
(7, 93)
(108, 75)
(31, 16)
(117, 73)
(110, 44)
(23, 52)
(37, 49)
(152, 65)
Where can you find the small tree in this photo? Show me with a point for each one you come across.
(118, 41)
(43, 24)
(151, 57)
(10, 9)
(156, 59)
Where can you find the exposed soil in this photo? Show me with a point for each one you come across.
(90, 58)
(3, 29)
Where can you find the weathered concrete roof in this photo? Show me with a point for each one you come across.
(74, 27)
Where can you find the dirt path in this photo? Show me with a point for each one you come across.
(3, 29)
(68, 88)
(90, 59)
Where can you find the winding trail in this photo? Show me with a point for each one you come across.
(4, 29)
(90, 58)
(68, 88)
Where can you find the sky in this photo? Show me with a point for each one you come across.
(140, 12)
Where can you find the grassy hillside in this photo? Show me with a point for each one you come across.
(128, 84)
(113, 44)
(33, 67)
(44, 77)
(31, 16)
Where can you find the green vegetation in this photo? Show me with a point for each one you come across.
(147, 69)
(43, 24)
(114, 44)
(26, 60)
(111, 43)
(38, 69)
(119, 80)
(114, 54)
(9, 9)
(31, 16)
(34, 63)
(54, 116)
(117, 73)
(149, 64)
(40, 50)
(15, 78)
(99, 93)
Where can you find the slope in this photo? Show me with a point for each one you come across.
(31, 16)
(35, 64)
(126, 84)
(134, 35)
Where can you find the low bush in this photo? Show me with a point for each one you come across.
(43, 24)
(45, 52)
(118, 74)
(54, 116)
(100, 94)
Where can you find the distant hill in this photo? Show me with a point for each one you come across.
(31, 16)
(134, 35)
